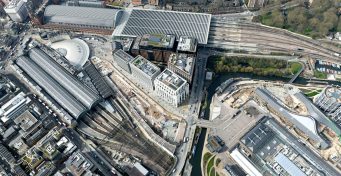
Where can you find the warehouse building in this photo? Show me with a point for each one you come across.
(144, 72)
(82, 93)
(182, 64)
(76, 18)
(123, 59)
(137, 22)
(171, 87)
(52, 87)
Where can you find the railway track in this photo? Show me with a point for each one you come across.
(269, 38)
(124, 138)
(250, 30)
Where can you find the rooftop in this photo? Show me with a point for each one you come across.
(13, 4)
(333, 92)
(123, 55)
(188, 44)
(144, 65)
(157, 40)
(78, 163)
(76, 51)
(171, 79)
(137, 22)
(26, 120)
(182, 61)
(82, 15)
(288, 165)
(256, 137)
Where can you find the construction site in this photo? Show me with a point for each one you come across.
(239, 106)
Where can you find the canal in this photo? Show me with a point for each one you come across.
(196, 159)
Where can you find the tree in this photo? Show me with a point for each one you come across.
(278, 19)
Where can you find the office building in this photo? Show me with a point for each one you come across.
(182, 64)
(123, 59)
(79, 164)
(187, 45)
(14, 107)
(17, 10)
(6, 155)
(25, 121)
(144, 72)
(83, 19)
(171, 87)
(156, 47)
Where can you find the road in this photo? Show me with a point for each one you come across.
(184, 150)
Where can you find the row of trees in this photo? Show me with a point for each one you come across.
(262, 67)
(316, 20)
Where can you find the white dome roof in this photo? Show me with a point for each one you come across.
(76, 51)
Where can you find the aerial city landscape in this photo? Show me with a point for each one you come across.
(170, 88)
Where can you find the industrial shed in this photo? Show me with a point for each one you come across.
(55, 90)
(88, 17)
(138, 22)
(82, 93)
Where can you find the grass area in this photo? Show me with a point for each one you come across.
(320, 75)
(210, 165)
(312, 93)
(295, 67)
(207, 156)
(212, 173)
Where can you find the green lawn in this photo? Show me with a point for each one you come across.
(320, 75)
(311, 94)
(212, 173)
(210, 165)
(295, 67)
(207, 156)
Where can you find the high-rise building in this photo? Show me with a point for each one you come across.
(156, 47)
(17, 10)
(171, 87)
(187, 45)
(182, 64)
(123, 59)
(144, 72)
